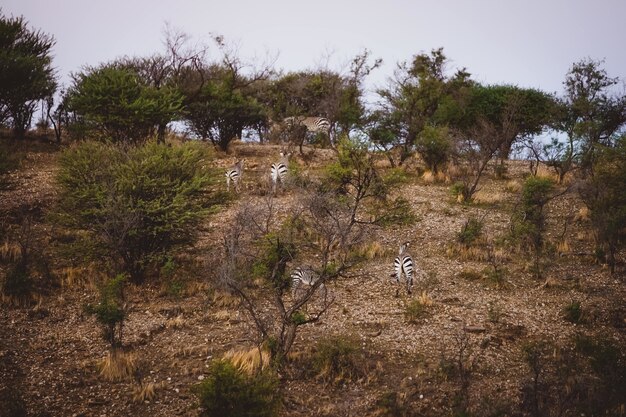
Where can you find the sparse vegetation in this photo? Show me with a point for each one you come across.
(339, 359)
(230, 392)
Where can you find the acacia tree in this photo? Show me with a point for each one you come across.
(27, 75)
(418, 96)
(604, 194)
(220, 98)
(113, 102)
(595, 116)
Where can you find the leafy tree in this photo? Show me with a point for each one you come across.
(528, 224)
(114, 103)
(220, 106)
(595, 116)
(434, 145)
(516, 112)
(419, 95)
(604, 194)
(26, 73)
(133, 206)
(110, 311)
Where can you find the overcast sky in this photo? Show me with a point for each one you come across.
(530, 43)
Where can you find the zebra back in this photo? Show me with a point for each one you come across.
(234, 173)
(279, 169)
(312, 124)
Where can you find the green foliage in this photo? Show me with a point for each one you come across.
(298, 318)
(573, 312)
(137, 204)
(229, 392)
(338, 359)
(395, 212)
(220, 105)
(271, 262)
(18, 284)
(27, 75)
(604, 195)
(415, 310)
(109, 311)
(472, 230)
(434, 146)
(528, 221)
(114, 103)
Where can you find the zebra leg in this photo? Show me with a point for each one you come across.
(409, 282)
(227, 184)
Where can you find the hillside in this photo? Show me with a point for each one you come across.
(467, 347)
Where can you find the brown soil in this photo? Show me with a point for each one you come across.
(49, 351)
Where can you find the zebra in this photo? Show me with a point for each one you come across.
(312, 124)
(403, 264)
(278, 172)
(234, 174)
(304, 276)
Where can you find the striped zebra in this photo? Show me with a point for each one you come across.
(234, 174)
(304, 276)
(278, 172)
(403, 264)
(312, 124)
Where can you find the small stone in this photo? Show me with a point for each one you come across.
(200, 377)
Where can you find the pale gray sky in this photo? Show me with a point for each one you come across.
(531, 43)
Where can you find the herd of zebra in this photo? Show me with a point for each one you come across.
(403, 263)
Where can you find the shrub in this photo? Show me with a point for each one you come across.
(229, 392)
(136, 204)
(471, 231)
(338, 359)
(109, 311)
(434, 146)
(417, 308)
(573, 312)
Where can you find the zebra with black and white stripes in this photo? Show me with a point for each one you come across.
(304, 276)
(403, 265)
(279, 170)
(312, 124)
(234, 174)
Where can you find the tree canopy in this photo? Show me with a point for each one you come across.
(26, 72)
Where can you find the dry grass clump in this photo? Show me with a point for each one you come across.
(177, 322)
(513, 186)
(340, 359)
(146, 392)
(222, 315)
(545, 172)
(224, 299)
(10, 252)
(117, 365)
(248, 360)
(563, 247)
(418, 307)
(431, 178)
(582, 215)
(80, 276)
(488, 197)
(372, 250)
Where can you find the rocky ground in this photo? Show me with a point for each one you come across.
(49, 350)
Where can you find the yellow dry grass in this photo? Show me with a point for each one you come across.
(79, 276)
(248, 360)
(177, 322)
(513, 186)
(563, 247)
(146, 392)
(117, 366)
(582, 215)
(371, 250)
(10, 251)
(488, 197)
(424, 299)
(431, 178)
(223, 299)
(222, 315)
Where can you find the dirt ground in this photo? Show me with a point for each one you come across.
(49, 350)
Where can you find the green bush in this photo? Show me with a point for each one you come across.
(434, 146)
(338, 359)
(135, 204)
(229, 392)
(573, 312)
(109, 311)
(472, 230)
